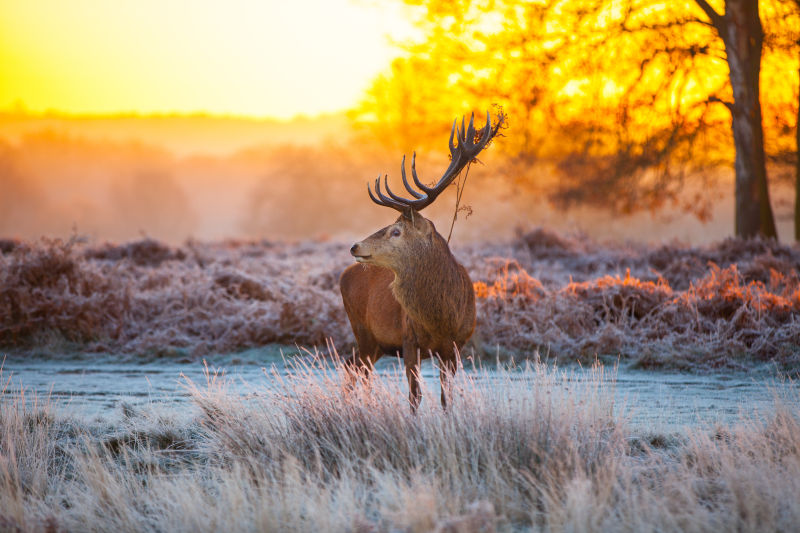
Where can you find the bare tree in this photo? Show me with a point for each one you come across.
(797, 147)
(619, 98)
(740, 29)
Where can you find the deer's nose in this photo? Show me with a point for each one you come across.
(354, 249)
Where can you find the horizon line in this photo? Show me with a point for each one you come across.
(20, 109)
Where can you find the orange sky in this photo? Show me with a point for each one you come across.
(253, 58)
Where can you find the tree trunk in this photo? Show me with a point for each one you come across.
(741, 31)
(797, 170)
(743, 37)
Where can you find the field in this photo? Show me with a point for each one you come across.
(541, 452)
(176, 213)
(561, 298)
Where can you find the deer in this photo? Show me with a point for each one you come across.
(407, 294)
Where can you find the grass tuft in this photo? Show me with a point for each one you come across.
(541, 451)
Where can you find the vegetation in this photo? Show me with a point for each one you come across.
(567, 298)
(628, 101)
(540, 452)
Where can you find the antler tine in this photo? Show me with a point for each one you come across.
(462, 151)
(413, 193)
(384, 201)
(394, 196)
(372, 196)
(452, 133)
(417, 181)
(471, 130)
(466, 138)
(461, 154)
(397, 201)
(486, 132)
(414, 174)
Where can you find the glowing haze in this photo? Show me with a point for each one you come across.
(251, 58)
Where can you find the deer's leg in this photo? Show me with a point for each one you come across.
(411, 359)
(360, 363)
(447, 369)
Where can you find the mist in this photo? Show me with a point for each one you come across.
(206, 178)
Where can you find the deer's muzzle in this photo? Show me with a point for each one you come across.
(355, 251)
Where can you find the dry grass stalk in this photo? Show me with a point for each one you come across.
(541, 451)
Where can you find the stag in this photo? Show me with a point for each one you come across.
(407, 293)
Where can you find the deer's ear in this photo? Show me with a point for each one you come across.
(423, 225)
(428, 227)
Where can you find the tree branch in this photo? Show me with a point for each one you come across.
(727, 104)
(716, 19)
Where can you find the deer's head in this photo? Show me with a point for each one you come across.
(411, 233)
(389, 247)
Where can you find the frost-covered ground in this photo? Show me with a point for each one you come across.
(528, 449)
(100, 431)
(733, 305)
(662, 401)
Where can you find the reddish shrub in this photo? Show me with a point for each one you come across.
(566, 298)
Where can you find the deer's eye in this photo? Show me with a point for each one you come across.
(395, 233)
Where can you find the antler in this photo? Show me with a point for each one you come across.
(465, 151)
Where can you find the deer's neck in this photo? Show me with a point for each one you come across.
(433, 289)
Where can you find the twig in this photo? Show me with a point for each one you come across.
(460, 184)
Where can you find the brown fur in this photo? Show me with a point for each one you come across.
(409, 295)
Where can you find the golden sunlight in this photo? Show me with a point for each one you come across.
(250, 58)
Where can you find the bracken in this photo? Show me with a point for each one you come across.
(723, 305)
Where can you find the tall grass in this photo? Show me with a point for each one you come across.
(542, 451)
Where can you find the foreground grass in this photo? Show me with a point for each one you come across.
(542, 452)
